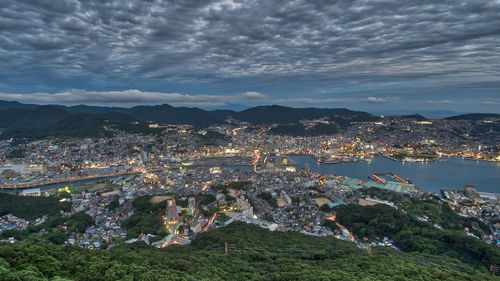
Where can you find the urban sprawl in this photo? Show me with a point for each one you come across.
(211, 177)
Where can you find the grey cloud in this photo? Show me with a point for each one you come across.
(211, 41)
(43, 42)
(381, 100)
(489, 102)
(440, 101)
(129, 97)
(60, 6)
(73, 24)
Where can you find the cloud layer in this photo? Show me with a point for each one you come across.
(287, 49)
(130, 98)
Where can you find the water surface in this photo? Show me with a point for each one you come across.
(450, 173)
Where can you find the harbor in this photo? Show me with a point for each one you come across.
(431, 176)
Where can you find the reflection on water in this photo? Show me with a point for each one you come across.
(452, 173)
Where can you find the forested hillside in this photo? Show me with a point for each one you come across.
(254, 254)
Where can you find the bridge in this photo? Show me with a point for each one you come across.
(63, 180)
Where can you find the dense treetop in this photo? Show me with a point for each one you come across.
(254, 254)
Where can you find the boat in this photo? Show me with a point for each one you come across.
(329, 161)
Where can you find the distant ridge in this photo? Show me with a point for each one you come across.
(417, 117)
(283, 114)
(53, 121)
(474, 116)
(14, 104)
(256, 115)
(430, 114)
(198, 117)
(38, 121)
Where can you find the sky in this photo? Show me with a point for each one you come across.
(376, 55)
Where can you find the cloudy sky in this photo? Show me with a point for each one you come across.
(368, 55)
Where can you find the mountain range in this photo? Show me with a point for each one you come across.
(38, 121)
(198, 117)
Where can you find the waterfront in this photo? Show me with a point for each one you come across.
(51, 188)
(451, 173)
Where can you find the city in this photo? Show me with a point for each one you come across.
(249, 140)
(233, 175)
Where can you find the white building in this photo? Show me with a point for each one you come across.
(31, 192)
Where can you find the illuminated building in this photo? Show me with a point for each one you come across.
(171, 212)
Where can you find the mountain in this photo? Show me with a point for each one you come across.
(283, 114)
(35, 122)
(253, 254)
(93, 109)
(416, 117)
(256, 115)
(173, 115)
(198, 117)
(241, 251)
(156, 113)
(14, 104)
(228, 106)
(31, 121)
(54, 121)
(474, 116)
(431, 114)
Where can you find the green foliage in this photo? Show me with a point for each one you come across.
(208, 213)
(142, 203)
(273, 202)
(254, 254)
(433, 207)
(451, 220)
(412, 235)
(205, 199)
(16, 153)
(374, 221)
(224, 188)
(325, 208)
(29, 208)
(268, 217)
(212, 138)
(179, 202)
(114, 204)
(222, 217)
(57, 236)
(441, 213)
(52, 121)
(146, 218)
(79, 222)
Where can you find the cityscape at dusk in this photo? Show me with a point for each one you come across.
(249, 140)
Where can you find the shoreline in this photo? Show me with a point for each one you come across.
(446, 173)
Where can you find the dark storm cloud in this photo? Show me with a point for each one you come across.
(325, 43)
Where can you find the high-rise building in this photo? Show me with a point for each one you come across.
(171, 212)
